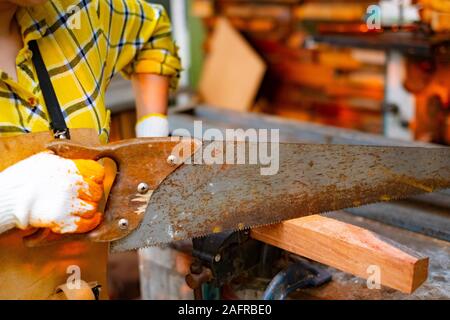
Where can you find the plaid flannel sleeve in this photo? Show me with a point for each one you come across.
(140, 39)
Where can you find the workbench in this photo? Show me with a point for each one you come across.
(420, 223)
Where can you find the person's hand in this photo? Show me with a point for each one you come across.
(152, 125)
(47, 191)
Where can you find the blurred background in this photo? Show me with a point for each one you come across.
(379, 67)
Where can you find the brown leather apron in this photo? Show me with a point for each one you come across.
(37, 272)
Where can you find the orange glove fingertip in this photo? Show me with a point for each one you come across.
(87, 224)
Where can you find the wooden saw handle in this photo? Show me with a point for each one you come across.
(142, 164)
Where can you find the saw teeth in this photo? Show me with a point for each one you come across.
(154, 244)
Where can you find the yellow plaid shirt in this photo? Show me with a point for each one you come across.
(83, 44)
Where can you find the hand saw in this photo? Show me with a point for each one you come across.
(161, 194)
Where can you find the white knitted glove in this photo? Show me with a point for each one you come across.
(152, 125)
(47, 191)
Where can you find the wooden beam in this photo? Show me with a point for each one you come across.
(330, 11)
(348, 248)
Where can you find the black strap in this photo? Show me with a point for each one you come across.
(57, 121)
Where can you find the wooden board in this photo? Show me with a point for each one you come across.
(23, 146)
(202, 8)
(348, 248)
(330, 11)
(232, 72)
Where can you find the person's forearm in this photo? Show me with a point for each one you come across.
(151, 93)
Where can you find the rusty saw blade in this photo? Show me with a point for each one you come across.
(201, 199)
